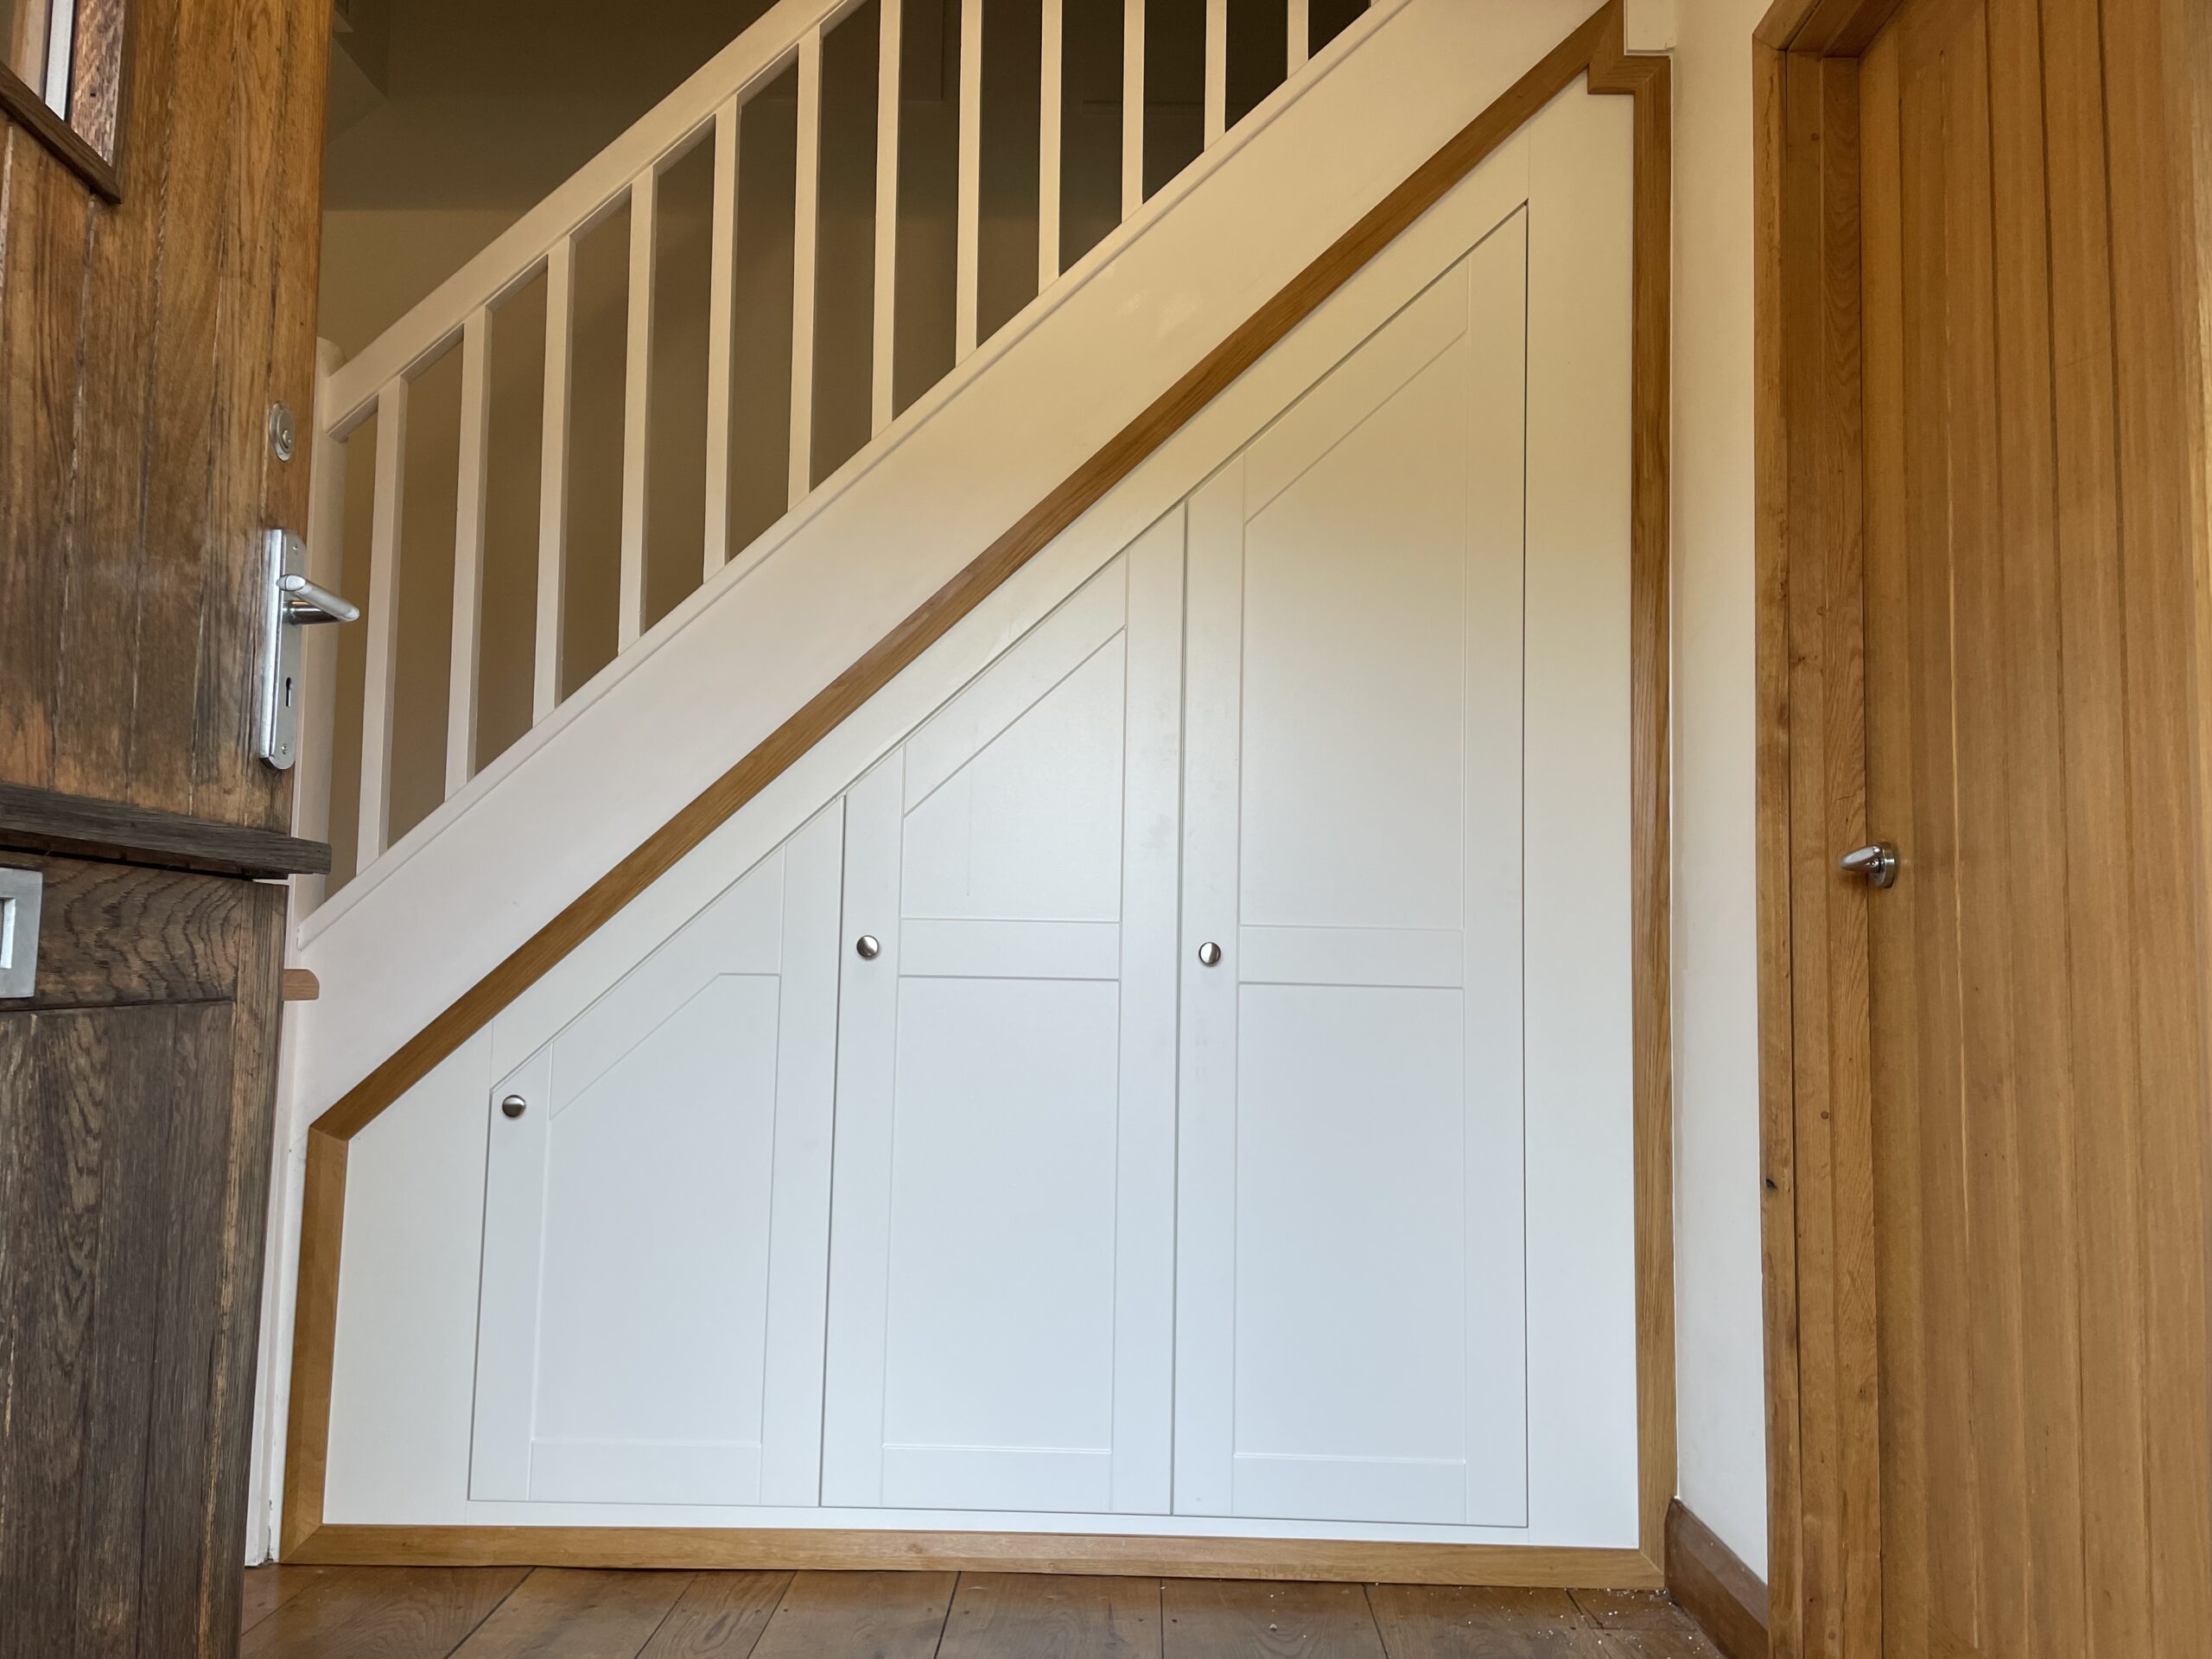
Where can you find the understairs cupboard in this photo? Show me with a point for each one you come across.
(1176, 1077)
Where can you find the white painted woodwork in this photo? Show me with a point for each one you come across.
(1051, 83)
(326, 534)
(721, 305)
(1217, 71)
(968, 251)
(656, 1220)
(637, 407)
(553, 481)
(882, 365)
(1132, 108)
(1000, 1315)
(404, 1396)
(468, 555)
(807, 217)
(380, 680)
(1349, 1269)
(1301, 36)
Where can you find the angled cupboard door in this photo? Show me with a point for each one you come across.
(1351, 1277)
(656, 1217)
(1001, 1279)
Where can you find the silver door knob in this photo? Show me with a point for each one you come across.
(1209, 954)
(1877, 863)
(514, 1105)
(868, 946)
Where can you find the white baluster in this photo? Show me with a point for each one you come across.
(1300, 31)
(379, 685)
(721, 305)
(1132, 108)
(969, 234)
(884, 364)
(1217, 94)
(637, 407)
(1048, 146)
(806, 214)
(553, 480)
(468, 553)
(319, 651)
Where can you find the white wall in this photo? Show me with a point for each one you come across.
(1719, 1375)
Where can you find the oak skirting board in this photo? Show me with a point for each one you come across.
(1727, 1600)
(827, 1549)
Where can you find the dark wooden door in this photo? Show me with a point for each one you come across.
(148, 322)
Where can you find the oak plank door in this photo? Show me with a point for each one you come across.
(657, 1214)
(2038, 1192)
(142, 341)
(1002, 1253)
(1351, 1337)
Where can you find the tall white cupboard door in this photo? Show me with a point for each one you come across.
(1349, 1315)
(655, 1227)
(1001, 1279)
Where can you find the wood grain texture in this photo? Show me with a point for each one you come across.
(1053, 1616)
(144, 338)
(1456, 1622)
(315, 1316)
(2022, 277)
(28, 112)
(1710, 1583)
(380, 1613)
(885, 1615)
(578, 1615)
(44, 821)
(300, 985)
(268, 1588)
(113, 934)
(1312, 1621)
(1648, 80)
(819, 1549)
(135, 1132)
(719, 1616)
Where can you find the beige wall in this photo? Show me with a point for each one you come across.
(1720, 1376)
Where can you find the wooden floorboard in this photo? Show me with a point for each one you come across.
(1205, 1618)
(381, 1613)
(1426, 1621)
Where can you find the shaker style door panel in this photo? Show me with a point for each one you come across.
(1002, 1281)
(1350, 1316)
(656, 1213)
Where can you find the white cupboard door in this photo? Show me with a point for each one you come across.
(1351, 1276)
(1002, 1280)
(655, 1226)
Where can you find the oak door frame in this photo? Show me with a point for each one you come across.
(1816, 1124)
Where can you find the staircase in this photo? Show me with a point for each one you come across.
(855, 544)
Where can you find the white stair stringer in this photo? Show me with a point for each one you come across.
(725, 668)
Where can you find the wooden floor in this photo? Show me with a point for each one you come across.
(306, 1612)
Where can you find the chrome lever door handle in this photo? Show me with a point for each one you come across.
(1878, 863)
(305, 602)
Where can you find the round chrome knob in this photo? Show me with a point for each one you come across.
(1209, 954)
(514, 1105)
(868, 946)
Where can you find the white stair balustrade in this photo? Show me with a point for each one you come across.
(543, 246)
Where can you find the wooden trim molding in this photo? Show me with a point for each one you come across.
(834, 1550)
(1714, 1587)
(1594, 50)
(42, 820)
